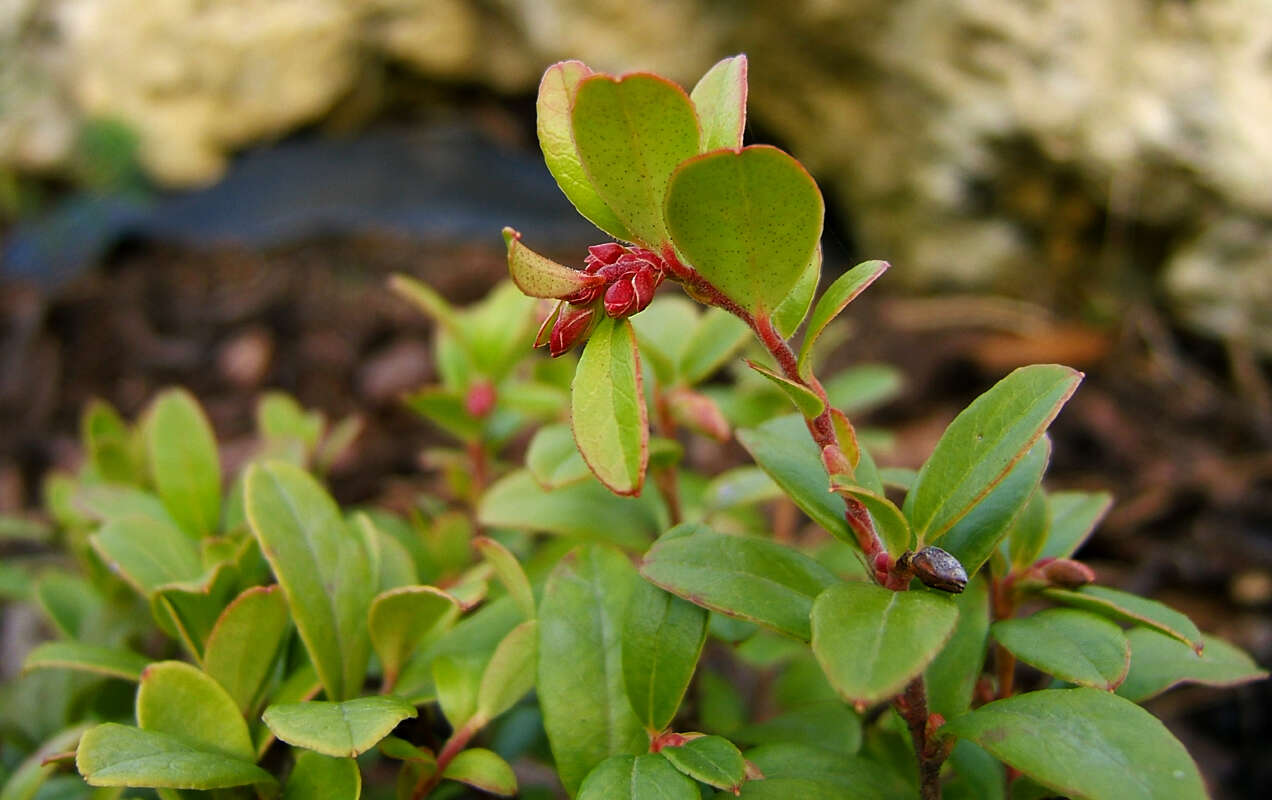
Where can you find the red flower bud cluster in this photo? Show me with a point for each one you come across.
(632, 275)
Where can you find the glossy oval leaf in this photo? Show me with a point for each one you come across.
(1073, 516)
(974, 538)
(319, 777)
(538, 276)
(631, 133)
(1084, 743)
(712, 760)
(749, 578)
(784, 449)
(584, 510)
(554, 459)
(662, 640)
(804, 398)
(184, 465)
(510, 673)
(322, 565)
(147, 553)
(585, 709)
(120, 755)
(835, 299)
(180, 700)
(483, 770)
(890, 523)
(1131, 608)
(509, 571)
(748, 221)
(801, 771)
(871, 642)
(345, 729)
(401, 618)
(983, 443)
(1028, 532)
(719, 98)
(1072, 645)
(109, 661)
(637, 777)
(607, 408)
(244, 643)
(1159, 662)
(26, 779)
(556, 139)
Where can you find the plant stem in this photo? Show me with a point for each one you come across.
(912, 705)
(454, 746)
(1004, 607)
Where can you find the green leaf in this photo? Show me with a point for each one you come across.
(1074, 516)
(403, 619)
(784, 449)
(445, 408)
(1028, 532)
(890, 523)
(978, 775)
(739, 486)
(974, 538)
(864, 387)
(28, 777)
(110, 444)
(712, 760)
(319, 777)
(805, 399)
(1131, 608)
(538, 276)
(983, 443)
(426, 299)
(748, 221)
(835, 299)
(1159, 662)
(713, 340)
(553, 458)
(180, 700)
(183, 461)
(147, 553)
(111, 661)
(585, 710)
(753, 579)
(1072, 645)
(241, 650)
(1085, 743)
(791, 312)
(607, 408)
(556, 139)
(719, 98)
(637, 777)
(824, 725)
(796, 770)
(585, 510)
(338, 729)
(662, 640)
(457, 677)
(510, 673)
(189, 610)
(119, 755)
(871, 642)
(510, 573)
(952, 675)
(631, 132)
(484, 770)
(323, 567)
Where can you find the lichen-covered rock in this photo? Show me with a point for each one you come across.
(1220, 283)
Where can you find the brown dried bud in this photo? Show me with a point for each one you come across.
(939, 570)
(1067, 573)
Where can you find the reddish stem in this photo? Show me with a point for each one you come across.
(454, 746)
(1004, 607)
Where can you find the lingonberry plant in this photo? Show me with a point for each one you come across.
(253, 639)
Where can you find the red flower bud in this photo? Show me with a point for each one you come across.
(645, 283)
(480, 399)
(601, 254)
(572, 326)
(620, 297)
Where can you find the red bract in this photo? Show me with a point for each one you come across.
(631, 276)
(572, 326)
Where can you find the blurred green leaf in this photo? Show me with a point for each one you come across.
(400, 619)
(345, 729)
(483, 770)
(184, 464)
(110, 661)
(1159, 662)
(319, 777)
(661, 642)
(1131, 608)
(180, 700)
(637, 777)
(245, 642)
(119, 755)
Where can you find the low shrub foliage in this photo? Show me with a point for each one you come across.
(244, 635)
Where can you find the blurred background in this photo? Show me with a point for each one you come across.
(211, 193)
